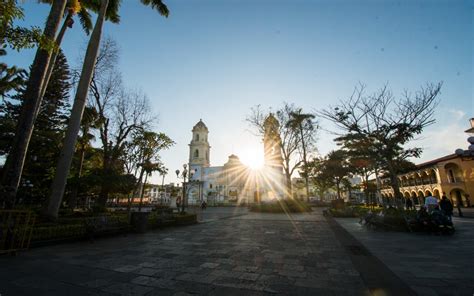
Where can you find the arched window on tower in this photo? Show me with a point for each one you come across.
(196, 153)
(197, 137)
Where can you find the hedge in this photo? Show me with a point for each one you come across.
(281, 206)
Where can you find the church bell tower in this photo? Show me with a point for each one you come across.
(199, 149)
(271, 143)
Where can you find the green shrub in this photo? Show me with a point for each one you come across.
(281, 206)
(185, 218)
(352, 211)
(346, 212)
(79, 227)
(55, 232)
(160, 218)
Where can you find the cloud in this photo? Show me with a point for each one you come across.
(442, 140)
(458, 114)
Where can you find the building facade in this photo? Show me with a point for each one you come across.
(452, 175)
(234, 182)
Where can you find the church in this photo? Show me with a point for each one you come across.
(234, 182)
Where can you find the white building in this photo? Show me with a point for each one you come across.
(233, 181)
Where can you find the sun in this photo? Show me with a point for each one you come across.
(253, 158)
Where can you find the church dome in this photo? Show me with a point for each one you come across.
(200, 126)
(233, 161)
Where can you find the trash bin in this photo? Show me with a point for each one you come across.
(139, 221)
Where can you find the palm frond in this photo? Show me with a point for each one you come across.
(112, 11)
(158, 5)
(85, 20)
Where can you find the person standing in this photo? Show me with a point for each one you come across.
(408, 204)
(430, 203)
(178, 202)
(446, 206)
(459, 205)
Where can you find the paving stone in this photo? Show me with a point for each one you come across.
(209, 265)
(146, 271)
(126, 289)
(228, 257)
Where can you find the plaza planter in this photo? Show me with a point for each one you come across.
(186, 219)
(139, 221)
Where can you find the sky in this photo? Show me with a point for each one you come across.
(215, 59)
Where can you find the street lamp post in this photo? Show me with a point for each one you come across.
(183, 176)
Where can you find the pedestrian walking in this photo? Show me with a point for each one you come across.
(408, 204)
(446, 206)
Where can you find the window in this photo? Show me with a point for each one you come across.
(196, 153)
(197, 137)
(207, 155)
(451, 177)
(210, 186)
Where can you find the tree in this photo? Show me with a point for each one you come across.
(48, 131)
(386, 124)
(14, 36)
(318, 177)
(11, 78)
(347, 186)
(290, 134)
(14, 163)
(163, 172)
(90, 120)
(306, 127)
(90, 59)
(362, 157)
(337, 167)
(143, 152)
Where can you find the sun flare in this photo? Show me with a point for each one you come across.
(252, 158)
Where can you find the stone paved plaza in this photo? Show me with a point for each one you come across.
(232, 252)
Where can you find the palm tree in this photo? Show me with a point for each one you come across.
(148, 167)
(81, 9)
(163, 172)
(11, 78)
(89, 121)
(303, 122)
(73, 7)
(16, 158)
(65, 158)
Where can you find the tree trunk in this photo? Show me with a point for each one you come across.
(142, 194)
(163, 189)
(338, 189)
(75, 191)
(303, 144)
(289, 187)
(377, 194)
(67, 23)
(16, 157)
(67, 152)
(396, 187)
